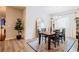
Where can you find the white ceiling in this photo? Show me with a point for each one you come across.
(3, 9)
(19, 7)
(57, 9)
(53, 10)
(45, 9)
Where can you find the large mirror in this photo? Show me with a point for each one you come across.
(2, 23)
(40, 25)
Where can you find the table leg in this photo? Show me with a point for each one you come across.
(45, 38)
(39, 38)
(78, 44)
(48, 43)
(64, 38)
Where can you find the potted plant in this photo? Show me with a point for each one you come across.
(19, 28)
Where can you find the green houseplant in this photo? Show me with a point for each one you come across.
(19, 28)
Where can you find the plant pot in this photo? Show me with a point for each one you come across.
(18, 37)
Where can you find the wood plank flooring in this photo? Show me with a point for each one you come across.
(15, 46)
(20, 46)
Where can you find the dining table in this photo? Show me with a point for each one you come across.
(46, 34)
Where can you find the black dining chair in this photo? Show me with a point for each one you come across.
(43, 37)
(55, 38)
(62, 35)
(77, 35)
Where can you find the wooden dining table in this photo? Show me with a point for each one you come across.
(46, 34)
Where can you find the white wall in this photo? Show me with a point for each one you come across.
(11, 16)
(32, 14)
(24, 22)
(68, 22)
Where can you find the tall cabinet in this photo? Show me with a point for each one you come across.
(77, 30)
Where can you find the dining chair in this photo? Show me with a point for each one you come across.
(62, 35)
(77, 37)
(43, 37)
(55, 38)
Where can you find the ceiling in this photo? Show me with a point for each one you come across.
(45, 9)
(19, 7)
(56, 9)
(3, 9)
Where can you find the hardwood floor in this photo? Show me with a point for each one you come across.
(22, 46)
(15, 46)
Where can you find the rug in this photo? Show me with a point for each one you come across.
(43, 47)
